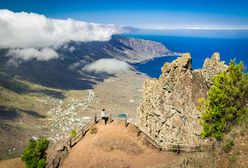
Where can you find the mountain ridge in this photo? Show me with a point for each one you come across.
(66, 69)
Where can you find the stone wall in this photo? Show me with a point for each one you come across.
(168, 113)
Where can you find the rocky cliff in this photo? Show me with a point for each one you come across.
(168, 113)
(129, 49)
(133, 50)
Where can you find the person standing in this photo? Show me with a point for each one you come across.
(104, 116)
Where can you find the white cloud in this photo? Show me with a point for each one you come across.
(78, 65)
(71, 49)
(34, 36)
(25, 54)
(30, 30)
(110, 66)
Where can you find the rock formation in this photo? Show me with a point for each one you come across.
(211, 67)
(168, 113)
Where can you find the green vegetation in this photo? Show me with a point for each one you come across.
(228, 145)
(34, 155)
(73, 133)
(232, 158)
(226, 102)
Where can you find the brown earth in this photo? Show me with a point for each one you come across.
(12, 163)
(113, 145)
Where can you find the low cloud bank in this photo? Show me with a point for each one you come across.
(36, 33)
(111, 66)
(26, 54)
(30, 30)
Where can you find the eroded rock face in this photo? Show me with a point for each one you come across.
(212, 66)
(168, 113)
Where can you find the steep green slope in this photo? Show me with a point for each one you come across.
(23, 107)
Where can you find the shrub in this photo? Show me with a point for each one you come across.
(226, 102)
(232, 158)
(228, 145)
(73, 133)
(93, 130)
(34, 154)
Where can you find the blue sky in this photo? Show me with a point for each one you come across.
(143, 14)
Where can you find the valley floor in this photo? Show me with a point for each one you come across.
(117, 94)
(50, 112)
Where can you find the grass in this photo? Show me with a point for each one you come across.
(29, 98)
(228, 145)
(232, 158)
(25, 106)
(25, 126)
(23, 113)
(232, 150)
(234, 144)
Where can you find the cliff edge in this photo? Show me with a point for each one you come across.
(168, 113)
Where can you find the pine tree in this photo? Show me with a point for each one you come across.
(226, 101)
(34, 155)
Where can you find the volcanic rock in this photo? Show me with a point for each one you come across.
(168, 113)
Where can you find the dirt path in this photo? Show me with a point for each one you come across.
(12, 163)
(114, 146)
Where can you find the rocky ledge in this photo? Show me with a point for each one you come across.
(168, 113)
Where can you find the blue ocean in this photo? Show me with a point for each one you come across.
(232, 46)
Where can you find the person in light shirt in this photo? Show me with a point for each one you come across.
(104, 116)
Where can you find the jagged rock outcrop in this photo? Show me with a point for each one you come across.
(168, 113)
(211, 67)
